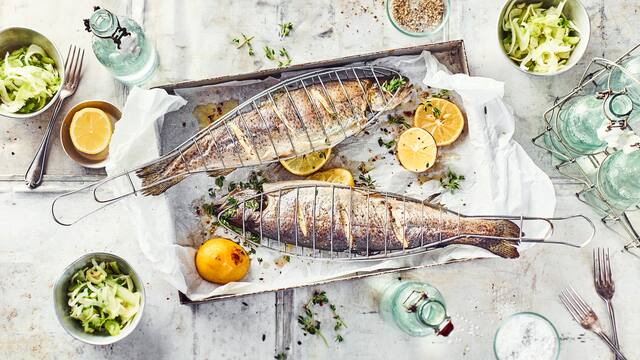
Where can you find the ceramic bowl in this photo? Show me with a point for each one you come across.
(16, 37)
(88, 161)
(574, 11)
(72, 326)
(429, 32)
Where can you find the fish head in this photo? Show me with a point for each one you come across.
(382, 100)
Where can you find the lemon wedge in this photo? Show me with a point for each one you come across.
(441, 118)
(417, 150)
(337, 175)
(307, 164)
(90, 131)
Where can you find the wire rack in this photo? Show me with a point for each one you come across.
(582, 168)
(327, 221)
(109, 190)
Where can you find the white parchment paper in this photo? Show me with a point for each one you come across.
(500, 180)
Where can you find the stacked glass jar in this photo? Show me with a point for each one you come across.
(604, 118)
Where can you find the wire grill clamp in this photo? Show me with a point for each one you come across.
(346, 237)
(102, 190)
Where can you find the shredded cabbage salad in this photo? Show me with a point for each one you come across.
(103, 298)
(540, 40)
(28, 80)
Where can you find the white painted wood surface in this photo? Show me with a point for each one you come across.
(479, 294)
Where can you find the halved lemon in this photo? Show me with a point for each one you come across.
(417, 150)
(90, 131)
(307, 164)
(337, 175)
(441, 118)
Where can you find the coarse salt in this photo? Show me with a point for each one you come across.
(525, 337)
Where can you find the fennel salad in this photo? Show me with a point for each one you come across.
(103, 298)
(28, 80)
(539, 40)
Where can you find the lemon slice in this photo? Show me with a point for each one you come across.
(90, 131)
(441, 118)
(307, 164)
(417, 150)
(337, 175)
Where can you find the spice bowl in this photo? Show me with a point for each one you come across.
(528, 335)
(435, 28)
(573, 10)
(60, 300)
(88, 161)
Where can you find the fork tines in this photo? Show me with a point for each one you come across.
(577, 307)
(602, 269)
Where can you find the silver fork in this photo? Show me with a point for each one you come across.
(603, 283)
(586, 317)
(72, 69)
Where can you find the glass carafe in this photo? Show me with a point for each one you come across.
(619, 180)
(121, 46)
(416, 308)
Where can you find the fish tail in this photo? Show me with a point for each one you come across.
(154, 179)
(500, 229)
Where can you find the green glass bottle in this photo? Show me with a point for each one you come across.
(577, 125)
(121, 46)
(619, 180)
(416, 308)
(621, 80)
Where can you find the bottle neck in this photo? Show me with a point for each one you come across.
(103, 23)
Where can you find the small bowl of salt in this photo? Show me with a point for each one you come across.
(526, 336)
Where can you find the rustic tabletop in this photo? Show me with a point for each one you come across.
(479, 294)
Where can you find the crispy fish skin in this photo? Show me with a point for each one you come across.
(361, 221)
(273, 130)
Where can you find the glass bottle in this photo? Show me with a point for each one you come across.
(620, 80)
(121, 46)
(416, 308)
(577, 125)
(619, 179)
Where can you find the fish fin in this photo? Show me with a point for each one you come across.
(498, 246)
(503, 248)
(154, 174)
(379, 103)
(221, 172)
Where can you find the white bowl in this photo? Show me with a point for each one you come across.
(14, 38)
(72, 326)
(573, 10)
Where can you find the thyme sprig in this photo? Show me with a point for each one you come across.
(451, 181)
(394, 84)
(245, 40)
(399, 120)
(310, 325)
(285, 29)
(366, 181)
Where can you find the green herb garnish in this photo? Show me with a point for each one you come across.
(310, 325)
(442, 94)
(269, 53)
(285, 58)
(285, 29)
(451, 181)
(281, 356)
(394, 84)
(246, 40)
(388, 144)
(399, 120)
(366, 181)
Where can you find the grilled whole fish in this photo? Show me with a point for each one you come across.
(357, 220)
(273, 130)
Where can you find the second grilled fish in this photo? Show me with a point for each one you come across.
(293, 122)
(358, 220)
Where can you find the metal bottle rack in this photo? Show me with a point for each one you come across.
(583, 168)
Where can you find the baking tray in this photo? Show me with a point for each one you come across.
(451, 54)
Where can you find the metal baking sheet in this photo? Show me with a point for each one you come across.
(175, 129)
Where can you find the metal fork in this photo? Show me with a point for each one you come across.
(586, 317)
(72, 69)
(603, 283)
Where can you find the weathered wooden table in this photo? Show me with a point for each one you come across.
(479, 294)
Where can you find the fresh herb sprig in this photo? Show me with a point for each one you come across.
(442, 94)
(394, 84)
(245, 40)
(269, 53)
(285, 29)
(399, 120)
(366, 181)
(388, 144)
(285, 59)
(310, 325)
(451, 181)
(434, 109)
